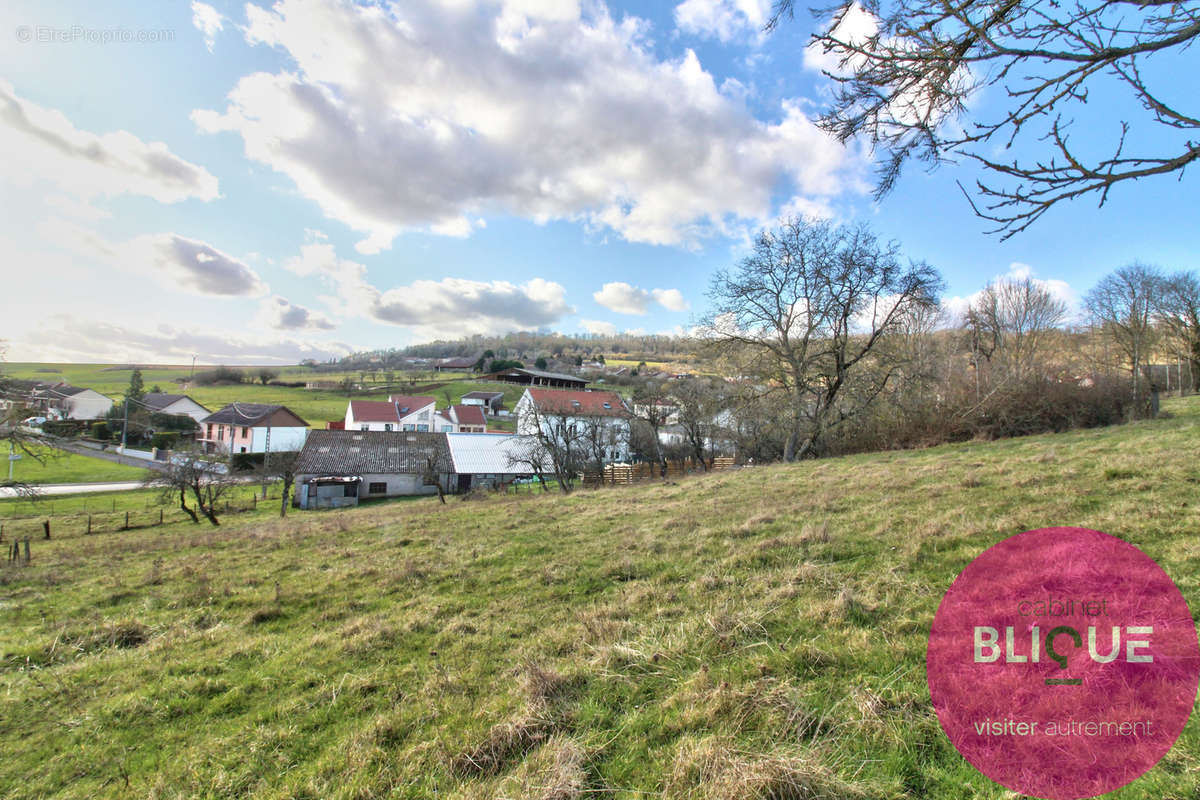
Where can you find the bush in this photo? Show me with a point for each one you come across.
(64, 427)
(100, 431)
(1038, 405)
(165, 440)
(219, 375)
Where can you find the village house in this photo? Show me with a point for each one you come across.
(397, 413)
(178, 404)
(491, 402)
(547, 411)
(339, 468)
(462, 419)
(455, 364)
(252, 428)
(63, 401)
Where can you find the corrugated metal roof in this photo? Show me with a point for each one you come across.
(489, 454)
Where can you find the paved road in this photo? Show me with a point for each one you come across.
(78, 488)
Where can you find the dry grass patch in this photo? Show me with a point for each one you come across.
(715, 769)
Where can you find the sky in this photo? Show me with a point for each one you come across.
(255, 183)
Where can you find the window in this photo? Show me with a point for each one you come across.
(387, 426)
(245, 432)
(221, 434)
(409, 427)
(210, 432)
(447, 429)
(364, 427)
(423, 428)
(377, 488)
(243, 449)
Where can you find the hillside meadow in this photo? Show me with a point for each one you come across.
(758, 633)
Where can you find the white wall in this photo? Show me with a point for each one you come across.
(88, 404)
(281, 439)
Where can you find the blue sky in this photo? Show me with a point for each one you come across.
(260, 183)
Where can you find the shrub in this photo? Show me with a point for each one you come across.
(165, 440)
(219, 375)
(100, 431)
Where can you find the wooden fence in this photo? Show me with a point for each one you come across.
(626, 474)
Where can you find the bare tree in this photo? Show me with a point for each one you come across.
(528, 455)
(810, 306)
(1179, 311)
(282, 467)
(190, 474)
(906, 70)
(653, 405)
(556, 439)
(699, 405)
(1010, 321)
(1123, 305)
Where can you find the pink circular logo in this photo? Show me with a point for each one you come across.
(1063, 663)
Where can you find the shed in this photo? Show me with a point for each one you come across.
(340, 468)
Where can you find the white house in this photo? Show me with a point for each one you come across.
(397, 413)
(554, 410)
(70, 402)
(180, 404)
(461, 419)
(253, 428)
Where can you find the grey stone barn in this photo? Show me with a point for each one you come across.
(339, 468)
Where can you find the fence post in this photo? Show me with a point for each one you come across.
(126, 521)
(46, 527)
(89, 530)
(160, 516)
(26, 549)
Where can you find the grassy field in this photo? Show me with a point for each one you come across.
(752, 634)
(59, 466)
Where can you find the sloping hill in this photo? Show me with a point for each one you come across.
(753, 634)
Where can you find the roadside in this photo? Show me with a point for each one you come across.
(77, 488)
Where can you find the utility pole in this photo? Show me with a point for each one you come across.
(266, 461)
(125, 424)
(192, 374)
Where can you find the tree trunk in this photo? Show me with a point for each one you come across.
(183, 505)
(287, 489)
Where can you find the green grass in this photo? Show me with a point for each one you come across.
(752, 634)
(59, 466)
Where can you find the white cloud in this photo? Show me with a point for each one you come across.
(41, 144)
(175, 262)
(671, 299)
(598, 327)
(69, 338)
(427, 114)
(208, 21)
(723, 19)
(279, 313)
(624, 298)
(450, 307)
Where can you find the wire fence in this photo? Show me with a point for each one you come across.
(75, 522)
